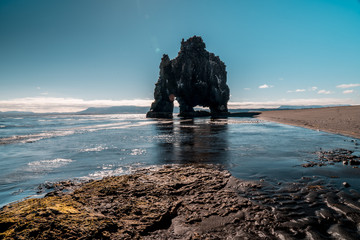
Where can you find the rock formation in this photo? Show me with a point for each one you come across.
(195, 78)
(186, 202)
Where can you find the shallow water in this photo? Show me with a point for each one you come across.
(39, 149)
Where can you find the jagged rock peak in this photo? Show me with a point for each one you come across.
(192, 44)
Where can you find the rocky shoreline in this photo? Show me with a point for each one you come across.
(186, 202)
(332, 157)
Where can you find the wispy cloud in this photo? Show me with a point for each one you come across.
(350, 85)
(265, 86)
(247, 89)
(348, 91)
(49, 104)
(324, 92)
(297, 91)
(313, 88)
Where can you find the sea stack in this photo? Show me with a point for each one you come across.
(195, 77)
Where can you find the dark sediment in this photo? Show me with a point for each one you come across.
(186, 202)
(332, 157)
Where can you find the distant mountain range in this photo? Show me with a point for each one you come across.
(115, 110)
(140, 110)
(16, 112)
(143, 110)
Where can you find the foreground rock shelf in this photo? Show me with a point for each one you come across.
(186, 202)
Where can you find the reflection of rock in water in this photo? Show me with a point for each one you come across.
(166, 143)
(188, 142)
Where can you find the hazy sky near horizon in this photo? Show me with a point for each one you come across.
(68, 55)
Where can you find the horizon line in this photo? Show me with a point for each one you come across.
(72, 105)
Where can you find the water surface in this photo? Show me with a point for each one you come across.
(39, 149)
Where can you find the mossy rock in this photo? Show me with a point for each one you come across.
(111, 208)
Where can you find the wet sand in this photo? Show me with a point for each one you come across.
(338, 120)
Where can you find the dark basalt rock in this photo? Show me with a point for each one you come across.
(195, 78)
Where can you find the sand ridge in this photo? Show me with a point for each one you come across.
(343, 120)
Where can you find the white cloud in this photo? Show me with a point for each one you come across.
(297, 90)
(38, 88)
(348, 85)
(324, 92)
(44, 93)
(265, 86)
(290, 102)
(313, 88)
(247, 89)
(49, 104)
(348, 91)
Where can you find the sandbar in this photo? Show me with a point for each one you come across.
(344, 120)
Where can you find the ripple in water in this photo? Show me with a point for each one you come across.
(137, 151)
(47, 165)
(94, 149)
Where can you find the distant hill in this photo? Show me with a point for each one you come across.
(115, 110)
(15, 113)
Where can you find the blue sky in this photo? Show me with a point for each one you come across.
(68, 55)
